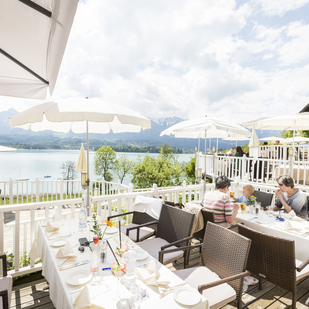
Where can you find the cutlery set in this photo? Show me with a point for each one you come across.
(65, 267)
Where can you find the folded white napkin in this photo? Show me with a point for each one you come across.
(151, 275)
(65, 253)
(94, 296)
(289, 227)
(50, 230)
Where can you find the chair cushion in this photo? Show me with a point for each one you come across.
(217, 296)
(6, 284)
(144, 232)
(303, 273)
(153, 246)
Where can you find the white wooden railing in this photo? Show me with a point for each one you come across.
(30, 191)
(18, 235)
(256, 170)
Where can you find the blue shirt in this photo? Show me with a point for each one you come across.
(244, 200)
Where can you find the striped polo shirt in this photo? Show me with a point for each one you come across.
(220, 203)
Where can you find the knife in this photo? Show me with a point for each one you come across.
(73, 265)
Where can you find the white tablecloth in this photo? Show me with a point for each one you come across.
(59, 290)
(301, 243)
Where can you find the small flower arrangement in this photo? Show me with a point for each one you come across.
(251, 200)
(96, 228)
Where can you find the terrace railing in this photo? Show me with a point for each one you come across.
(17, 236)
(256, 170)
(31, 191)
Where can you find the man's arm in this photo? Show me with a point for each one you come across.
(283, 202)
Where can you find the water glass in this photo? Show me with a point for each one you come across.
(136, 291)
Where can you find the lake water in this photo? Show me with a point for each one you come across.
(31, 164)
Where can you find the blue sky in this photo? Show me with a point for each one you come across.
(237, 60)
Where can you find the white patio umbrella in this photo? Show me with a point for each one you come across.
(206, 127)
(254, 144)
(81, 165)
(293, 122)
(33, 38)
(272, 139)
(80, 116)
(231, 138)
(296, 140)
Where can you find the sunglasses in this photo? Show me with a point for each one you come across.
(280, 184)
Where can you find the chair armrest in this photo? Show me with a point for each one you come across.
(4, 266)
(138, 228)
(119, 215)
(303, 265)
(186, 248)
(176, 242)
(142, 225)
(203, 287)
(5, 299)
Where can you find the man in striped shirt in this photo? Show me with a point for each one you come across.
(219, 202)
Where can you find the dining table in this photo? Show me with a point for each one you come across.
(280, 225)
(64, 289)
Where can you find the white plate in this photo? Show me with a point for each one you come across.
(58, 243)
(141, 255)
(187, 296)
(79, 277)
(111, 230)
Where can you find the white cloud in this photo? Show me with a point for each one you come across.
(280, 7)
(187, 58)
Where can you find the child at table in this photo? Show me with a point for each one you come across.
(247, 190)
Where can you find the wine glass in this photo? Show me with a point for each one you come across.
(120, 251)
(118, 270)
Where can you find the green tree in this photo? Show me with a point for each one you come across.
(164, 170)
(190, 170)
(123, 166)
(104, 162)
(166, 149)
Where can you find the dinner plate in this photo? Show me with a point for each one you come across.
(58, 243)
(111, 230)
(79, 277)
(141, 255)
(186, 296)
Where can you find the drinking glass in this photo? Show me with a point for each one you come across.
(136, 291)
(118, 271)
(94, 263)
(232, 194)
(120, 251)
(243, 207)
(94, 259)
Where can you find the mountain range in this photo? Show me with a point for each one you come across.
(15, 137)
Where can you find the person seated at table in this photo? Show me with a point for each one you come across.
(246, 153)
(239, 152)
(290, 198)
(247, 190)
(219, 202)
(230, 152)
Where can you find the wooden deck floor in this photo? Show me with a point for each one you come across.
(32, 295)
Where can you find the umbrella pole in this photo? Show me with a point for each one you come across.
(88, 181)
(205, 152)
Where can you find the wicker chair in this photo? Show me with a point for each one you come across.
(173, 231)
(273, 258)
(265, 198)
(223, 263)
(143, 225)
(208, 215)
(5, 285)
(140, 228)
